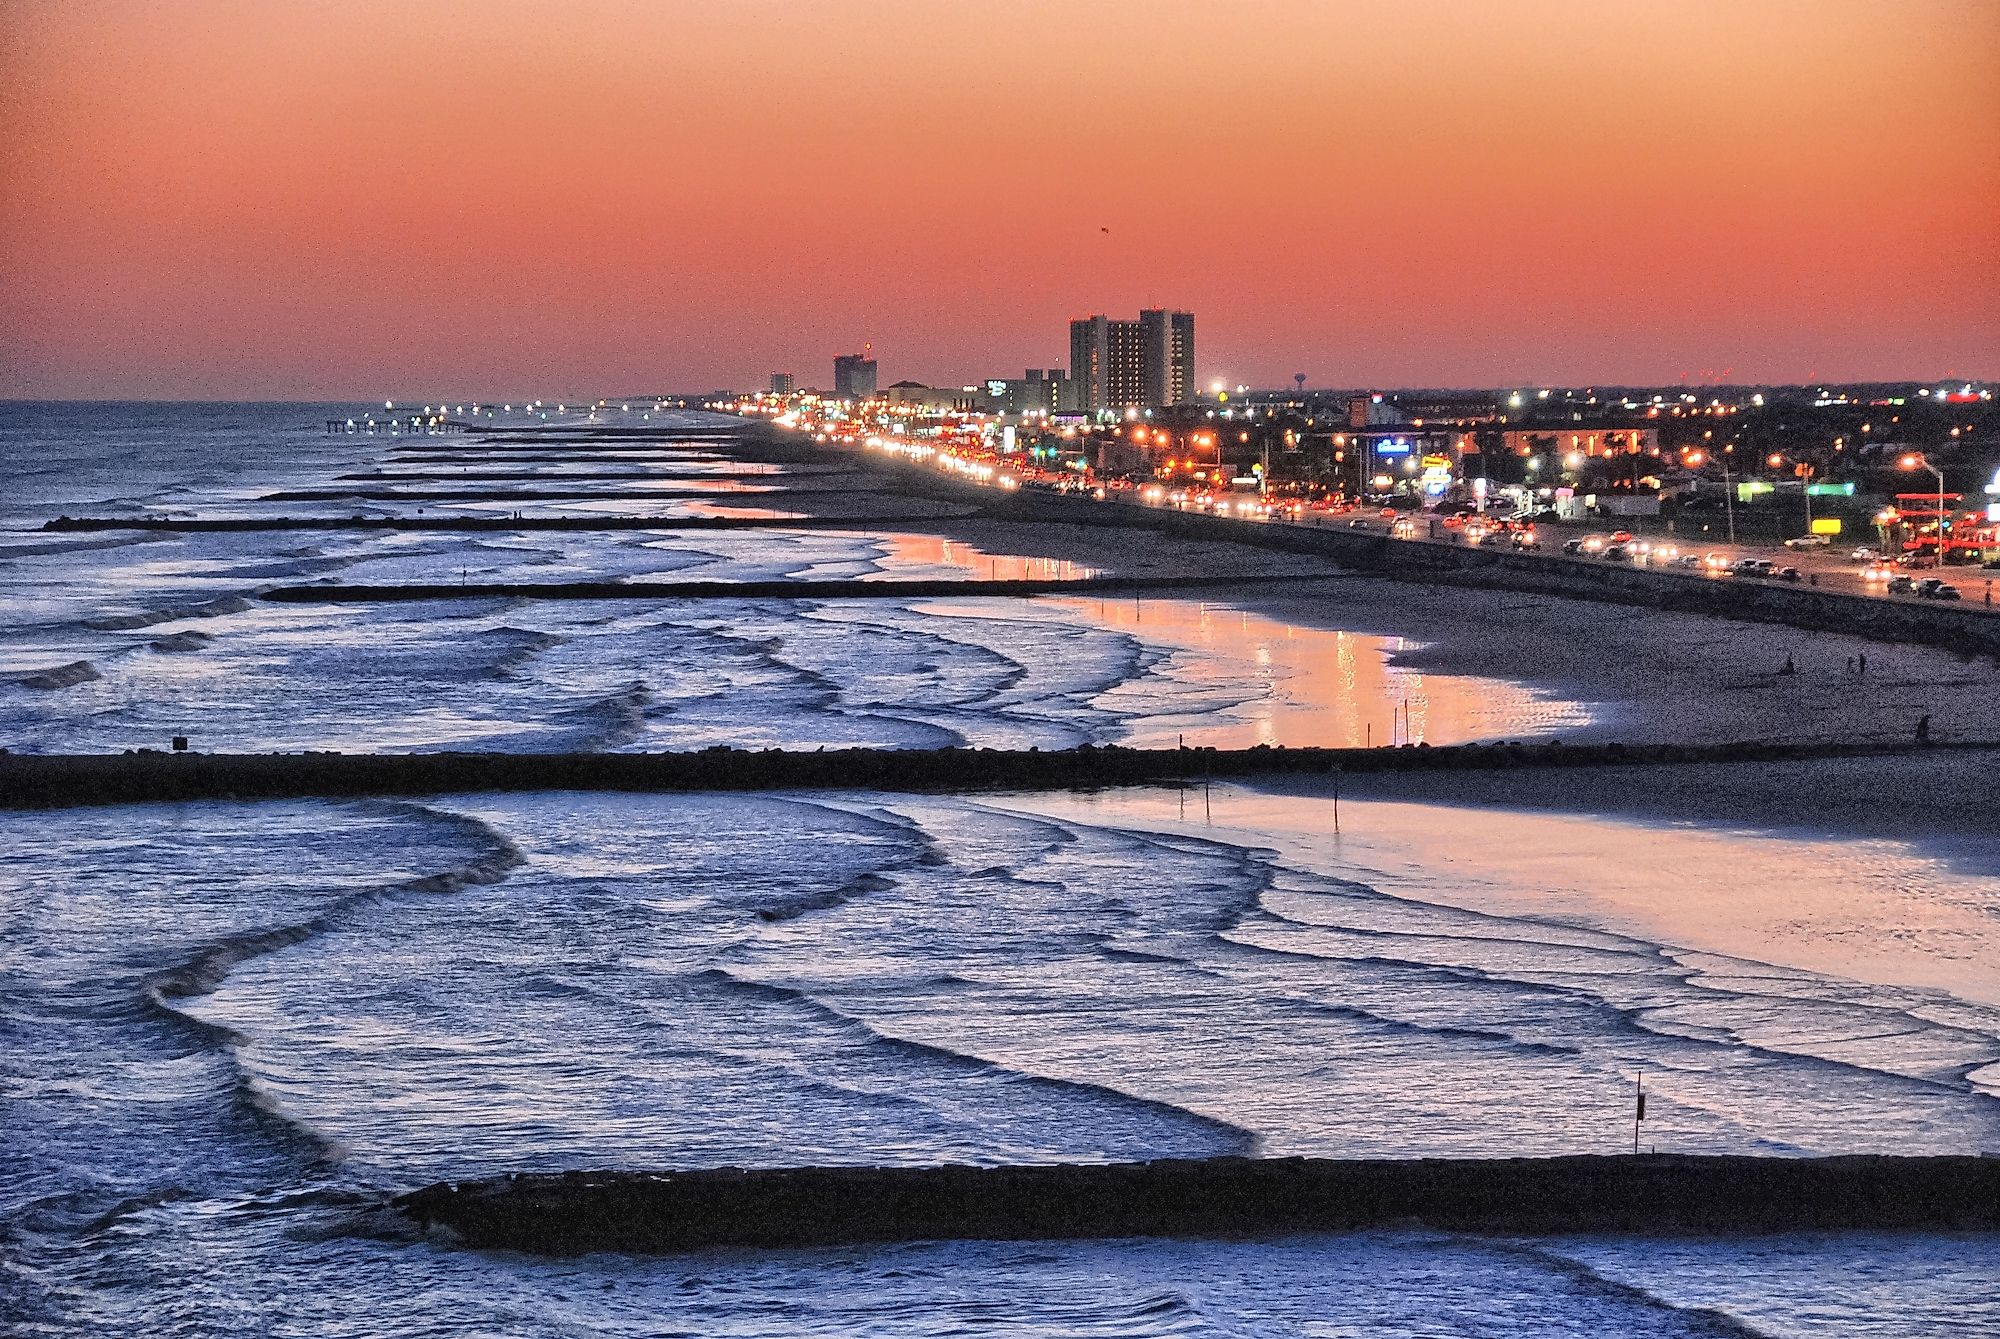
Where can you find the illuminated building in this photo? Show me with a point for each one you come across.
(1036, 391)
(1166, 357)
(1588, 439)
(933, 399)
(854, 376)
(1104, 362)
(783, 383)
(1122, 364)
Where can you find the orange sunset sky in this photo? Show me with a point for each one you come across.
(269, 199)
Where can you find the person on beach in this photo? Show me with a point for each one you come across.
(1788, 667)
(1924, 728)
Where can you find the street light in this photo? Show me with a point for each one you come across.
(1917, 460)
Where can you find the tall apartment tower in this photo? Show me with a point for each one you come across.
(1104, 362)
(854, 376)
(782, 383)
(1123, 364)
(1167, 357)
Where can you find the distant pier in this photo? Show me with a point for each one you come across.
(411, 424)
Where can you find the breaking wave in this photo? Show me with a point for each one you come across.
(62, 676)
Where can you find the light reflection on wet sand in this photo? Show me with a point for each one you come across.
(1318, 687)
(905, 550)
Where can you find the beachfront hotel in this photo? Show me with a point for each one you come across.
(1116, 364)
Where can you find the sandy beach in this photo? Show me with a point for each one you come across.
(1644, 676)
(1781, 866)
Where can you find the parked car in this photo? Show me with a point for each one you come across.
(1788, 574)
(1809, 542)
(1864, 554)
(1902, 585)
(1933, 589)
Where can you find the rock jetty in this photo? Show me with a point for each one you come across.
(639, 1212)
(34, 781)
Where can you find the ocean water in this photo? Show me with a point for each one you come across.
(230, 1030)
(125, 639)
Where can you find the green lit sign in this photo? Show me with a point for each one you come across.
(1744, 492)
(1830, 490)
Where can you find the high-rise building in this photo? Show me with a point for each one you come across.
(783, 383)
(1166, 358)
(1122, 364)
(1104, 362)
(854, 376)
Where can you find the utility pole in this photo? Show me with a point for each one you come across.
(1639, 1111)
(1728, 495)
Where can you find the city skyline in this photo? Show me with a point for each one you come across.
(232, 201)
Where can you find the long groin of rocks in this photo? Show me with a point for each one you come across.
(637, 1212)
(249, 524)
(31, 781)
(835, 588)
(732, 492)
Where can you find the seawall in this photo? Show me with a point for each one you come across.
(638, 1212)
(35, 781)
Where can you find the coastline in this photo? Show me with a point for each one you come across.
(1645, 676)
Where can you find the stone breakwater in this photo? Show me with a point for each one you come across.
(35, 781)
(249, 524)
(637, 1212)
(827, 589)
